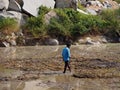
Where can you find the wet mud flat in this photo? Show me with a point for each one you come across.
(94, 67)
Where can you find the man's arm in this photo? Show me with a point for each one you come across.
(69, 55)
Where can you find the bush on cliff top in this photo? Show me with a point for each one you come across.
(8, 25)
(73, 24)
(112, 18)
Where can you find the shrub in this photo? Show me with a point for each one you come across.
(72, 23)
(60, 26)
(8, 25)
(79, 29)
(86, 23)
(36, 25)
(43, 10)
(112, 18)
(55, 28)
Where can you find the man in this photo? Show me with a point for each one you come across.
(66, 57)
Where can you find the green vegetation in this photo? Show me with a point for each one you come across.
(36, 25)
(8, 25)
(112, 19)
(80, 6)
(118, 1)
(60, 26)
(43, 10)
(68, 23)
(72, 24)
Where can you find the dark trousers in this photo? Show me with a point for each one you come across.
(67, 64)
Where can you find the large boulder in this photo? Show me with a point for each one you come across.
(11, 40)
(52, 42)
(14, 6)
(49, 15)
(95, 6)
(62, 3)
(91, 11)
(83, 2)
(31, 6)
(4, 4)
(12, 14)
(110, 4)
(81, 11)
(20, 2)
(66, 4)
(4, 44)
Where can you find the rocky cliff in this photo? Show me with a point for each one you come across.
(21, 9)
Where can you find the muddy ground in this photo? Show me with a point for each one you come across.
(88, 62)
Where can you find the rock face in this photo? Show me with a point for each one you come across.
(4, 4)
(81, 11)
(17, 9)
(96, 40)
(14, 6)
(52, 42)
(66, 4)
(49, 15)
(11, 11)
(32, 8)
(95, 6)
(12, 14)
(4, 44)
(20, 2)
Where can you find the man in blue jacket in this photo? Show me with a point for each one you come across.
(66, 56)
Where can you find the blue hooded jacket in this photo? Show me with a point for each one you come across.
(66, 54)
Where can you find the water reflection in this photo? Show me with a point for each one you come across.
(17, 85)
(27, 52)
(10, 52)
(57, 81)
(63, 82)
(53, 51)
